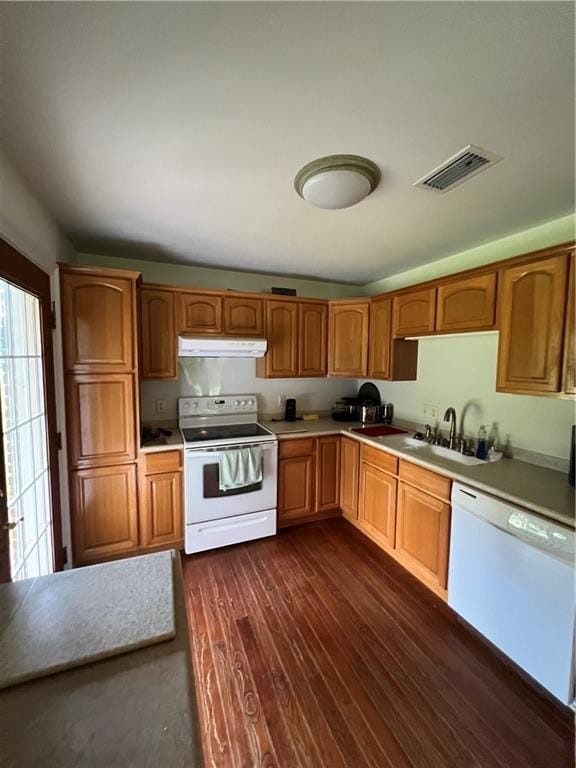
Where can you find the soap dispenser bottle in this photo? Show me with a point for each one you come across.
(481, 443)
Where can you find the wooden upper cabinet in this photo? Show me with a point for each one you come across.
(349, 474)
(158, 333)
(466, 305)
(243, 316)
(281, 359)
(98, 314)
(380, 339)
(313, 324)
(104, 512)
(532, 301)
(200, 313)
(328, 473)
(296, 487)
(348, 339)
(377, 504)
(422, 534)
(569, 368)
(101, 424)
(414, 312)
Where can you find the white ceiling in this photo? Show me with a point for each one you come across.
(173, 131)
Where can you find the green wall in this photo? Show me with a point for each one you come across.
(552, 233)
(222, 279)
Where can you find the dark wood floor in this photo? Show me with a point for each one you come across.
(315, 649)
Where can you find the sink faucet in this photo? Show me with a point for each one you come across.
(452, 440)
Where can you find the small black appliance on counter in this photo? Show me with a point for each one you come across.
(290, 409)
(346, 409)
(366, 407)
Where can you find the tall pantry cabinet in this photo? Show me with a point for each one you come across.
(99, 321)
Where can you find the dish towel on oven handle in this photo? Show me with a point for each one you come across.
(240, 467)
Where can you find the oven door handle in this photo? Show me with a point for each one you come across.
(211, 452)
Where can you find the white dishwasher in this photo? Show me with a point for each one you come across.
(511, 576)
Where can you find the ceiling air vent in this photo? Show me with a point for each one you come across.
(461, 166)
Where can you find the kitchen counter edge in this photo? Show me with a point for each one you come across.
(323, 427)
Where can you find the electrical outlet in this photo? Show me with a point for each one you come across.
(430, 412)
(160, 406)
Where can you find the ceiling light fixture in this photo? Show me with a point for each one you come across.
(337, 181)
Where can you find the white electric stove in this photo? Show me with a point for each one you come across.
(215, 518)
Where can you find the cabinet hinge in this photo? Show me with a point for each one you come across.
(53, 316)
(59, 440)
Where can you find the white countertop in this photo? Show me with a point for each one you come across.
(169, 443)
(539, 489)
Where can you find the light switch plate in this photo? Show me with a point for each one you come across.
(430, 412)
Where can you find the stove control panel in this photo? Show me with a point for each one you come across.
(223, 404)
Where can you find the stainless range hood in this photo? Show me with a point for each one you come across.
(220, 346)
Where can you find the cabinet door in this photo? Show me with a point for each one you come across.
(380, 339)
(570, 336)
(104, 512)
(159, 337)
(243, 317)
(349, 470)
(348, 339)
(295, 487)
(162, 512)
(313, 326)
(422, 534)
(328, 473)
(414, 312)
(98, 315)
(281, 359)
(466, 305)
(377, 504)
(532, 300)
(100, 412)
(200, 313)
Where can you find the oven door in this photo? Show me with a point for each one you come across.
(205, 501)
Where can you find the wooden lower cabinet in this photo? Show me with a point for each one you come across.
(423, 534)
(349, 475)
(104, 512)
(378, 504)
(328, 473)
(295, 487)
(308, 479)
(162, 512)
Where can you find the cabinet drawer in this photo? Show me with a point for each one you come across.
(162, 461)
(425, 480)
(380, 460)
(299, 447)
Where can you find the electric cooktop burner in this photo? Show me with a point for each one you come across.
(224, 432)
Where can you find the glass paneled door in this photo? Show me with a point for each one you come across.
(24, 434)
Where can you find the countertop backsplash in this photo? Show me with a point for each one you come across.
(228, 376)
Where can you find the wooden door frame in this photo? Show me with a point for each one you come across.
(16, 269)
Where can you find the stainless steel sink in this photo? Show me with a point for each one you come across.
(444, 454)
(402, 442)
